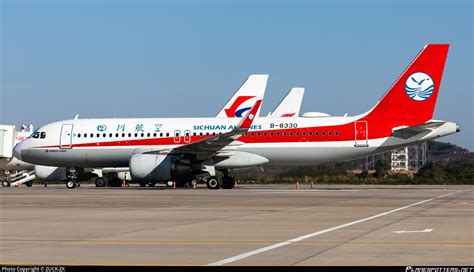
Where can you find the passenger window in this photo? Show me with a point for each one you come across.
(123, 135)
(271, 133)
(92, 135)
(200, 133)
(98, 135)
(252, 134)
(284, 133)
(323, 133)
(110, 135)
(194, 133)
(79, 135)
(85, 135)
(304, 133)
(336, 133)
(136, 134)
(213, 134)
(258, 134)
(291, 133)
(316, 133)
(142, 135)
(329, 133)
(161, 134)
(167, 134)
(297, 134)
(104, 135)
(207, 133)
(264, 134)
(310, 133)
(278, 133)
(130, 135)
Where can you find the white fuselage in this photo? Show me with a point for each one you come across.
(282, 141)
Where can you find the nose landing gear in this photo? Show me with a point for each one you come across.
(72, 181)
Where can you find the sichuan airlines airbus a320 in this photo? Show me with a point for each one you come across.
(182, 148)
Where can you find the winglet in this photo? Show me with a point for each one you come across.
(247, 120)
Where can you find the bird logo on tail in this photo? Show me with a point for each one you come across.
(419, 86)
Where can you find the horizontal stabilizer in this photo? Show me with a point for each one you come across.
(408, 132)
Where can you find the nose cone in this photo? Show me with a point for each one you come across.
(17, 151)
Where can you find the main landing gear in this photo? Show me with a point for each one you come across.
(226, 182)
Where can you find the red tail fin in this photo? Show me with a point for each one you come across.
(412, 99)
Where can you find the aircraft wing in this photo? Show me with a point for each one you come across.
(210, 146)
(408, 132)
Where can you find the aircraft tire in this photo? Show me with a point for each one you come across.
(213, 183)
(228, 182)
(5, 183)
(70, 184)
(99, 182)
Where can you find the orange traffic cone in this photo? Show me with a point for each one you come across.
(297, 185)
(19, 185)
(174, 184)
(124, 184)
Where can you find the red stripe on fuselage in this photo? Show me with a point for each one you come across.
(345, 132)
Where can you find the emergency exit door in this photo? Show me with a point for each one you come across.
(361, 133)
(66, 136)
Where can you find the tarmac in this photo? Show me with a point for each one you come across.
(249, 225)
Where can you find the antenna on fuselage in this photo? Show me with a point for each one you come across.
(76, 117)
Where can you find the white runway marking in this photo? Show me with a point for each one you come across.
(302, 190)
(412, 231)
(304, 237)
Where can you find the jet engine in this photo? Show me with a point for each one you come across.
(150, 167)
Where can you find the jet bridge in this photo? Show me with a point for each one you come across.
(7, 140)
(16, 172)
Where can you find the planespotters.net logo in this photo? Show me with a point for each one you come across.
(438, 269)
(419, 86)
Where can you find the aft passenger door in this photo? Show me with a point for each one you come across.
(361, 133)
(66, 136)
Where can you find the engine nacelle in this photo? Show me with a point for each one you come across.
(150, 167)
(50, 172)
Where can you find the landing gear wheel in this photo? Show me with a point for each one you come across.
(78, 184)
(29, 183)
(100, 182)
(228, 182)
(213, 183)
(70, 184)
(5, 183)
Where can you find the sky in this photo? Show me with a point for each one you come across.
(186, 58)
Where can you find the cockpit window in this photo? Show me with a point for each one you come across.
(38, 135)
